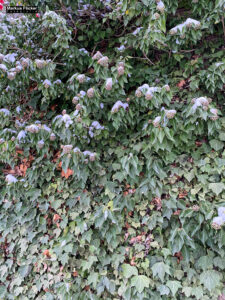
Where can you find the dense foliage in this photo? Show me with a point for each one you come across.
(112, 150)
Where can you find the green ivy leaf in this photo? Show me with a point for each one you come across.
(160, 269)
(217, 187)
(173, 285)
(140, 282)
(216, 145)
(210, 279)
(129, 270)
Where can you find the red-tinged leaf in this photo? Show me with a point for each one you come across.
(46, 253)
(181, 83)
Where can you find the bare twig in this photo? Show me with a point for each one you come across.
(222, 20)
(149, 60)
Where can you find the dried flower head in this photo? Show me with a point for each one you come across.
(156, 121)
(81, 78)
(120, 70)
(90, 93)
(103, 61)
(108, 84)
(97, 56)
(170, 113)
(75, 100)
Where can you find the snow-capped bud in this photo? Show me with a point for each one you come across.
(18, 68)
(160, 6)
(25, 62)
(103, 61)
(156, 121)
(3, 68)
(108, 84)
(92, 156)
(205, 108)
(75, 100)
(11, 75)
(195, 207)
(120, 70)
(13, 138)
(167, 87)
(63, 112)
(40, 63)
(40, 144)
(86, 161)
(81, 78)
(214, 111)
(148, 95)
(97, 56)
(78, 106)
(138, 93)
(66, 148)
(90, 93)
(47, 83)
(52, 137)
(217, 222)
(170, 113)
(173, 31)
(32, 128)
(156, 16)
(121, 64)
(203, 101)
(1, 57)
(209, 100)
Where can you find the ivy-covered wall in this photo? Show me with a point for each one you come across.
(112, 157)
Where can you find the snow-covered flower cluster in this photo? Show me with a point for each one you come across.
(52, 137)
(67, 148)
(120, 68)
(201, 102)
(90, 93)
(40, 144)
(21, 135)
(170, 113)
(95, 125)
(156, 121)
(11, 179)
(81, 78)
(3, 68)
(25, 62)
(92, 155)
(40, 63)
(220, 219)
(147, 91)
(108, 84)
(97, 56)
(103, 61)
(160, 6)
(118, 105)
(214, 113)
(5, 111)
(187, 24)
(67, 120)
(32, 128)
(47, 83)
